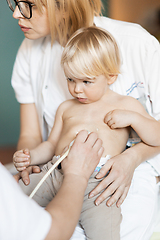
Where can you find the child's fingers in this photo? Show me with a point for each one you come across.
(111, 123)
(26, 151)
(108, 117)
(20, 157)
(20, 169)
(21, 165)
(21, 154)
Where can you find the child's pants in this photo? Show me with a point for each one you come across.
(99, 222)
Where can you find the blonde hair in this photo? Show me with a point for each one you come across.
(91, 52)
(75, 14)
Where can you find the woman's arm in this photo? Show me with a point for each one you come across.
(65, 208)
(30, 135)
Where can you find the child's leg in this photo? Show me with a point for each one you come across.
(48, 189)
(99, 222)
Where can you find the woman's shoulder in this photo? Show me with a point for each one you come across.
(113, 25)
(123, 31)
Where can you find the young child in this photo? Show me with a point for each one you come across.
(91, 62)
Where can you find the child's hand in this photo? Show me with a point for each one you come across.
(21, 159)
(119, 118)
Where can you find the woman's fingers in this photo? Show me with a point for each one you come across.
(116, 183)
(115, 191)
(123, 196)
(17, 177)
(84, 155)
(98, 147)
(24, 175)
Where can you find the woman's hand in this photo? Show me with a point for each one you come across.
(24, 175)
(84, 155)
(117, 182)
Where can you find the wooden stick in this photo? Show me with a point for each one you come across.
(50, 170)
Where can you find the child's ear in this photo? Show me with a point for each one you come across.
(111, 79)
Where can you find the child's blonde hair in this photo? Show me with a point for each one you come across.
(91, 52)
(75, 14)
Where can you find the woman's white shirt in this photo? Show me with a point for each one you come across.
(20, 217)
(38, 77)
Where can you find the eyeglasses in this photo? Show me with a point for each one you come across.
(25, 7)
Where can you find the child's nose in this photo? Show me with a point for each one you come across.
(78, 88)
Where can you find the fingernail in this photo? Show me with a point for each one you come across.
(91, 195)
(26, 182)
(99, 175)
(97, 203)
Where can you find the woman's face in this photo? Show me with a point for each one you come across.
(35, 27)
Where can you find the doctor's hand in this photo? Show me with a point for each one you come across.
(84, 155)
(117, 183)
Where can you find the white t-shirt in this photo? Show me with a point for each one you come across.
(20, 217)
(38, 77)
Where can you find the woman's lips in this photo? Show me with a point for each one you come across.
(24, 29)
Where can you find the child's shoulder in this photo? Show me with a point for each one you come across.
(123, 99)
(131, 103)
(128, 99)
(66, 104)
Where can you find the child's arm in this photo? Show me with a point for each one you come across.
(43, 152)
(135, 116)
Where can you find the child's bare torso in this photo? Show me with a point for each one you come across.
(78, 116)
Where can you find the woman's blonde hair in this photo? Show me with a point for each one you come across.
(91, 52)
(75, 14)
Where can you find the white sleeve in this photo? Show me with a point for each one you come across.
(21, 81)
(20, 217)
(153, 81)
(153, 77)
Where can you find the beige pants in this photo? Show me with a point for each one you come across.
(99, 222)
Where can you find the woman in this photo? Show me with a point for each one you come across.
(39, 83)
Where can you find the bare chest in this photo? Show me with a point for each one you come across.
(92, 120)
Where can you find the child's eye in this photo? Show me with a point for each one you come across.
(70, 80)
(87, 82)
